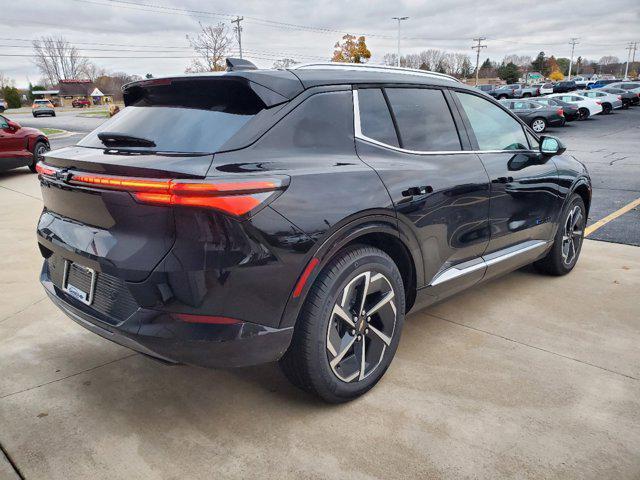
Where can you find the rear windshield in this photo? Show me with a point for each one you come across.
(181, 116)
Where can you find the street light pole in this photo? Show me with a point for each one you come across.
(399, 19)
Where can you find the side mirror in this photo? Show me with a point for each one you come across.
(13, 126)
(551, 146)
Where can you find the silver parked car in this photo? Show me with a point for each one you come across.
(609, 101)
(42, 107)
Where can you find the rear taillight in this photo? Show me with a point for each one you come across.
(560, 112)
(233, 196)
(619, 97)
(599, 103)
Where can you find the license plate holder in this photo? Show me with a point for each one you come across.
(77, 292)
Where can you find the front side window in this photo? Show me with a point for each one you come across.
(3, 122)
(424, 120)
(375, 118)
(494, 128)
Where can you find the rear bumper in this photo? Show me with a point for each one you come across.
(162, 336)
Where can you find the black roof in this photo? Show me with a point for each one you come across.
(291, 82)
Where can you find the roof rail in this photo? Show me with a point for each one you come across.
(372, 68)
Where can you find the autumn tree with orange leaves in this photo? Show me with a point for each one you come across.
(351, 50)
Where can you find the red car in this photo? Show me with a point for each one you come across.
(20, 146)
(80, 103)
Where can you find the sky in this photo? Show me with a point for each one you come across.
(307, 31)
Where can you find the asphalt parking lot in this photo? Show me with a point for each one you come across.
(523, 377)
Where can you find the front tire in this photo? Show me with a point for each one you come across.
(567, 243)
(606, 108)
(349, 327)
(39, 149)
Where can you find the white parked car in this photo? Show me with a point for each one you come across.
(581, 81)
(544, 88)
(587, 107)
(609, 101)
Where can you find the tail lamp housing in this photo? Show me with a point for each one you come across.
(234, 196)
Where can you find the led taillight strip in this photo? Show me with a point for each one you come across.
(236, 197)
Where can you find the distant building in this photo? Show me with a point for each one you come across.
(70, 90)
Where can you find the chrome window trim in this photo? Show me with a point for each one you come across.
(494, 258)
(357, 128)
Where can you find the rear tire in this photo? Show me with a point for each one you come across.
(567, 243)
(501, 97)
(583, 113)
(606, 108)
(526, 95)
(325, 355)
(539, 125)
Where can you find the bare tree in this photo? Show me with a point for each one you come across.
(608, 60)
(212, 45)
(5, 81)
(284, 63)
(91, 71)
(57, 59)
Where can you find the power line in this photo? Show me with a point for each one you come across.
(478, 47)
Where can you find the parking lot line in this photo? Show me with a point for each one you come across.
(612, 216)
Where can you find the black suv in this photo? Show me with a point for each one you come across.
(565, 87)
(297, 215)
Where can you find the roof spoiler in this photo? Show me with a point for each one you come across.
(235, 64)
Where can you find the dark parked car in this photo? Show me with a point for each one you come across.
(506, 91)
(564, 87)
(537, 115)
(3, 105)
(571, 112)
(628, 98)
(20, 146)
(298, 214)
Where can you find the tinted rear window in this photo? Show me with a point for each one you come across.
(424, 120)
(187, 116)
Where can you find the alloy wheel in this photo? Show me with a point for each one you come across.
(39, 153)
(573, 234)
(538, 125)
(361, 327)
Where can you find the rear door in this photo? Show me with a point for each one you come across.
(524, 189)
(440, 190)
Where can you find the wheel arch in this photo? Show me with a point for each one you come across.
(380, 231)
(582, 188)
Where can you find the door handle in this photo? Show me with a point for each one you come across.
(411, 191)
(503, 180)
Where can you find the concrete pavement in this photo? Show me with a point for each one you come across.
(524, 377)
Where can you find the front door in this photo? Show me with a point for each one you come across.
(524, 184)
(439, 189)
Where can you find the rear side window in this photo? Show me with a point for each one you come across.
(375, 118)
(493, 127)
(186, 116)
(424, 120)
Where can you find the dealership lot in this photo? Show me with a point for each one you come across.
(526, 376)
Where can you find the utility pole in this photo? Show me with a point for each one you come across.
(399, 19)
(633, 59)
(478, 47)
(573, 43)
(238, 32)
(626, 68)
